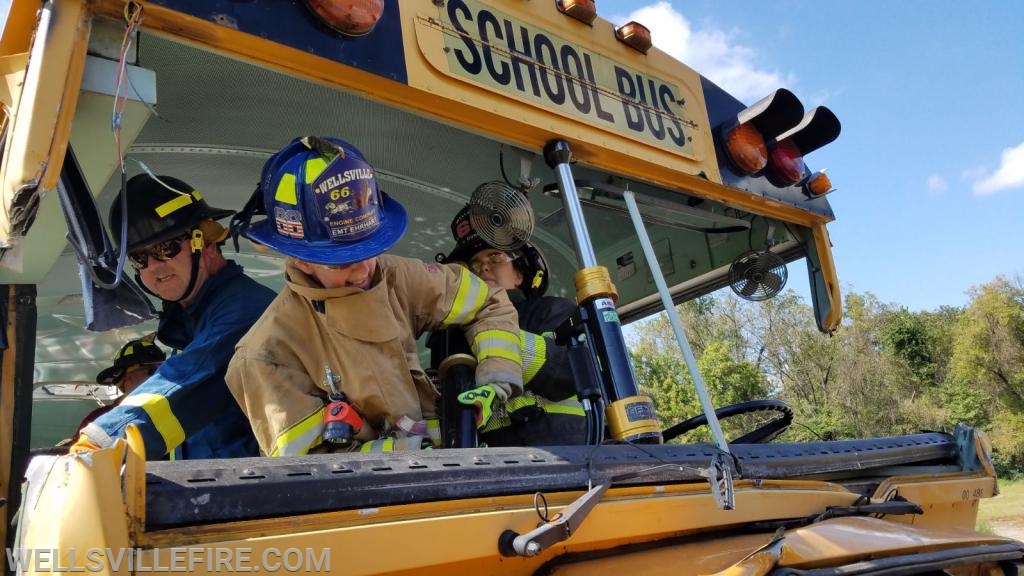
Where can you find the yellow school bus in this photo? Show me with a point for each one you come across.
(648, 185)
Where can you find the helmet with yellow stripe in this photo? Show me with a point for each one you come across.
(140, 352)
(162, 207)
(323, 205)
(159, 209)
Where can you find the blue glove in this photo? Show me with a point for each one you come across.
(483, 399)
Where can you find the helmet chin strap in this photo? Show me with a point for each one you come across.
(196, 244)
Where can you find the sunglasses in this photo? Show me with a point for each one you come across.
(476, 265)
(162, 251)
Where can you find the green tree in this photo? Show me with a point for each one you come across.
(964, 403)
(663, 374)
(1008, 444)
(989, 349)
(988, 365)
(885, 371)
(924, 340)
(906, 335)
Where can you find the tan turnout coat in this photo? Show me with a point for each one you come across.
(367, 339)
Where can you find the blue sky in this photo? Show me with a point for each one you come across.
(929, 168)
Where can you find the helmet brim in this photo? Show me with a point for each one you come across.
(211, 214)
(394, 222)
(110, 376)
(463, 252)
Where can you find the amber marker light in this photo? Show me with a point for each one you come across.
(350, 17)
(747, 137)
(634, 35)
(583, 10)
(818, 185)
(746, 148)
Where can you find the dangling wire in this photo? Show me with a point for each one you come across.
(501, 164)
(242, 219)
(133, 17)
(157, 178)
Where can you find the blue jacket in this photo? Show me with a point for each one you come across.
(186, 402)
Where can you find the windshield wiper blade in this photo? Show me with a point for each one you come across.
(895, 507)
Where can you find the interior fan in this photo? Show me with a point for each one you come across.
(501, 215)
(757, 276)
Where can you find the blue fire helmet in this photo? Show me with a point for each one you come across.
(323, 204)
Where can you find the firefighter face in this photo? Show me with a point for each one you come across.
(358, 275)
(495, 267)
(169, 278)
(135, 376)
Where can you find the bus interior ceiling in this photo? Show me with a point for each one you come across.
(216, 123)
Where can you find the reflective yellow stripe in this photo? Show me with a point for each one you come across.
(534, 350)
(434, 431)
(519, 402)
(314, 166)
(563, 407)
(379, 445)
(301, 436)
(469, 299)
(496, 424)
(177, 203)
(286, 190)
(497, 344)
(569, 406)
(164, 420)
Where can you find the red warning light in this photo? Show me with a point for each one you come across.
(350, 17)
(787, 163)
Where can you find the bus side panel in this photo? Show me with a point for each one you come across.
(289, 23)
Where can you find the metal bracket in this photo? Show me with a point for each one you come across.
(719, 475)
(561, 528)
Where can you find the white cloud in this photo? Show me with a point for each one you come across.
(976, 173)
(1009, 175)
(936, 184)
(710, 51)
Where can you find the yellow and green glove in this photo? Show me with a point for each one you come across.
(485, 400)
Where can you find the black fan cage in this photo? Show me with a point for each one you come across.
(758, 276)
(501, 215)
